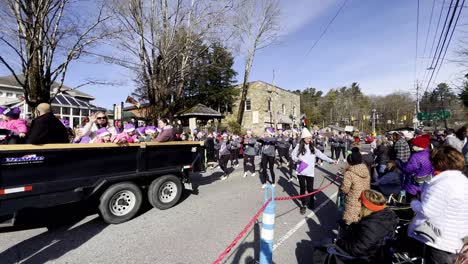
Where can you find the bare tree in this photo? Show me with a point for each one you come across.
(257, 27)
(160, 41)
(40, 39)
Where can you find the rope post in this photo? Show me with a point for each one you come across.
(268, 224)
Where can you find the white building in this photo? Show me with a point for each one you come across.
(71, 104)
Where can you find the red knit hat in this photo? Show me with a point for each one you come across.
(421, 141)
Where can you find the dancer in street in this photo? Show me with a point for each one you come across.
(304, 154)
(268, 156)
(249, 153)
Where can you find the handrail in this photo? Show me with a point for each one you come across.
(97, 145)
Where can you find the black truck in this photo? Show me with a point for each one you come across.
(114, 175)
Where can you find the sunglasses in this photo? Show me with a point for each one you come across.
(100, 118)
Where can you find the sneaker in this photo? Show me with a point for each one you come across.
(237, 165)
(321, 163)
(245, 175)
(264, 186)
(253, 174)
(274, 185)
(224, 177)
(303, 210)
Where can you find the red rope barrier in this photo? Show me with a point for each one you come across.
(252, 221)
(241, 234)
(307, 194)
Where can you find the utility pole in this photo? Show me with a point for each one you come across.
(373, 120)
(274, 93)
(416, 124)
(417, 97)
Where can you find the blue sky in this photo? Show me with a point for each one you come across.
(371, 42)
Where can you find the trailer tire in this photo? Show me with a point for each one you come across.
(120, 202)
(164, 192)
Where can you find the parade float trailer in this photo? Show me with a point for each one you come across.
(116, 176)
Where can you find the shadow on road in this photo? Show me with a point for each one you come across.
(61, 237)
(243, 253)
(320, 230)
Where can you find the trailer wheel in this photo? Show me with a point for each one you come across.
(164, 192)
(120, 202)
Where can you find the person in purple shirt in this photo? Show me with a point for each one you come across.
(418, 169)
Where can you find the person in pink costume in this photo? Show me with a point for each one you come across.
(11, 121)
(127, 136)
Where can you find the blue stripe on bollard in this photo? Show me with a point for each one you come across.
(268, 225)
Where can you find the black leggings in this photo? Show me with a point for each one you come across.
(283, 152)
(223, 161)
(270, 161)
(234, 156)
(251, 160)
(306, 182)
(339, 150)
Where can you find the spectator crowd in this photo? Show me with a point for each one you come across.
(427, 172)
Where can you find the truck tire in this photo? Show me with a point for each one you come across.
(120, 202)
(164, 192)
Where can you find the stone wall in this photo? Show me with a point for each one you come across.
(258, 118)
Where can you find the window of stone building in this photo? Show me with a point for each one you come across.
(283, 109)
(10, 95)
(269, 105)
(294, 111)
(248, 105)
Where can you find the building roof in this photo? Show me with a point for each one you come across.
(63, 100)
(199, 110)
(12, 83)
(269, 84)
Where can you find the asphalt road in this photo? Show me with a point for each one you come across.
(195, 231)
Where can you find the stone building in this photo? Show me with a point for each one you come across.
(268, 106)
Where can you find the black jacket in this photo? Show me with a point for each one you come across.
(382, 154)
(366, 238)
(47, 129)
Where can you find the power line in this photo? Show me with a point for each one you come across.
(443, 44)
(442, 33)
(426, 75)
(428, 31)
(450, 39)
(326, 28)
(417, 39)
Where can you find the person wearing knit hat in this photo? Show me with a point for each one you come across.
(127, 136)
(250, 151)
(235, 146)
(268, 156)
(366, 239)
(224, 153)
(102, 136)
(283, 145)
(356, 179)
(12, 122)
(418, 169)
(304, 155)
(71, 132)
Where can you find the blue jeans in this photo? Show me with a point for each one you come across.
(381, 169)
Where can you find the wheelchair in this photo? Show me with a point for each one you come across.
(398, 248)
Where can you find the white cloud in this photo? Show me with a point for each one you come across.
(298, 13)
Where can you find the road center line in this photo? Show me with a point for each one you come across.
(312, 215)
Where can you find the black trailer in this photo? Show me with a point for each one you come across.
(44, 176)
